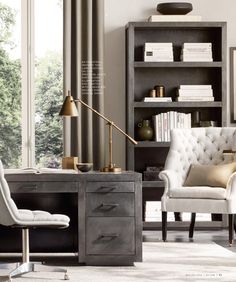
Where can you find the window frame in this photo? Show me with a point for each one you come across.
(27, 88)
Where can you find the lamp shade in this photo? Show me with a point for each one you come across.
(69, 108)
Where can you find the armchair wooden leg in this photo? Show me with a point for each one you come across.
(231, 229)
(178, 216)
(192, 224)
(164, 225)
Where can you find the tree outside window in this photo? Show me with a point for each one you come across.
(48, 88)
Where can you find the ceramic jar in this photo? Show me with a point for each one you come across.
(145, 131)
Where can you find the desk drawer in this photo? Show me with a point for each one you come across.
(38, 186)
(112, 235)
(107, 187)
(110, 204)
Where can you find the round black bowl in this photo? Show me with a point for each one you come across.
(175, 8)
(84, 167)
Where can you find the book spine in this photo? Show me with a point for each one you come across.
(197, 93)
(175, 119)
(197, 44)
(195, 99)
(197, 50)
(168, 126)
(160, 50)
(197, 60)
(194, 87)
(148, 46)
(162, 127)
(154, 59)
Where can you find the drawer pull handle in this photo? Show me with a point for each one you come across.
(107, 188)
(112, 206)
(109, 235)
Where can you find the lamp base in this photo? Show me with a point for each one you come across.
(113, 169)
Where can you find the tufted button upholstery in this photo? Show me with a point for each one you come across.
(198, 146)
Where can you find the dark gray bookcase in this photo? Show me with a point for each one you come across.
(142, 76)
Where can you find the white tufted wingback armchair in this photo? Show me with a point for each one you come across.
(198, 146)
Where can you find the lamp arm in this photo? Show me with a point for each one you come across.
(107, 120)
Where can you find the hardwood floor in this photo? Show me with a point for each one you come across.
(220, 237)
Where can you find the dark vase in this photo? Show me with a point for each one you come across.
(145, 131)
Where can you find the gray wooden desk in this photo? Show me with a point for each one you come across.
(105, 211)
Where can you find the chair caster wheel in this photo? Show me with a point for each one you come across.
(66, 277)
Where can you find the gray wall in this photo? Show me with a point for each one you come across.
(117, 14)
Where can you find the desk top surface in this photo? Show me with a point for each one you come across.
(72, 176)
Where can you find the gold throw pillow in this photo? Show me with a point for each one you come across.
(210, 175)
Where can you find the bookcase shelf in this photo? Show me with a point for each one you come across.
(142, 76)
(148, 144)
(178, 64)
(177, 104)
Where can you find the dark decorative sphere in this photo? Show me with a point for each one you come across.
(175, 8)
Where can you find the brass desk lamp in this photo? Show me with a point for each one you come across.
(69, 109)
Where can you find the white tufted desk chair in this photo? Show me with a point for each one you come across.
(198, 146)
(10, 215)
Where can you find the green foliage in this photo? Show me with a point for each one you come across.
(10, 95)
(7, 21)
(48, 99)
(48, 84)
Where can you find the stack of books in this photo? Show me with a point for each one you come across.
(157, 99)
(158, 52)
(174, 18)
(195, 93)
(197, 52)
(164, 122)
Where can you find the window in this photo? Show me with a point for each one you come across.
(31, 78)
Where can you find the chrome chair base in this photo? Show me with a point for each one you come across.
(27, 267)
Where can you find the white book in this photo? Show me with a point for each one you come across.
(174, 116)
(197, 49)
(159, 56)
(156, 53)
(172, 120)
(159, 128)
(158, 48)
(165, 121)
(198, 55)
(35, 170)
(202, 54)
(195, 92)
(174, 18)
(157, 45)
(185, 119)
(195, 86)
(162, 126)
(157, 99)
(195, 99)
(197, 60)
(168, 126)
(154, 59)
(197, 44)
